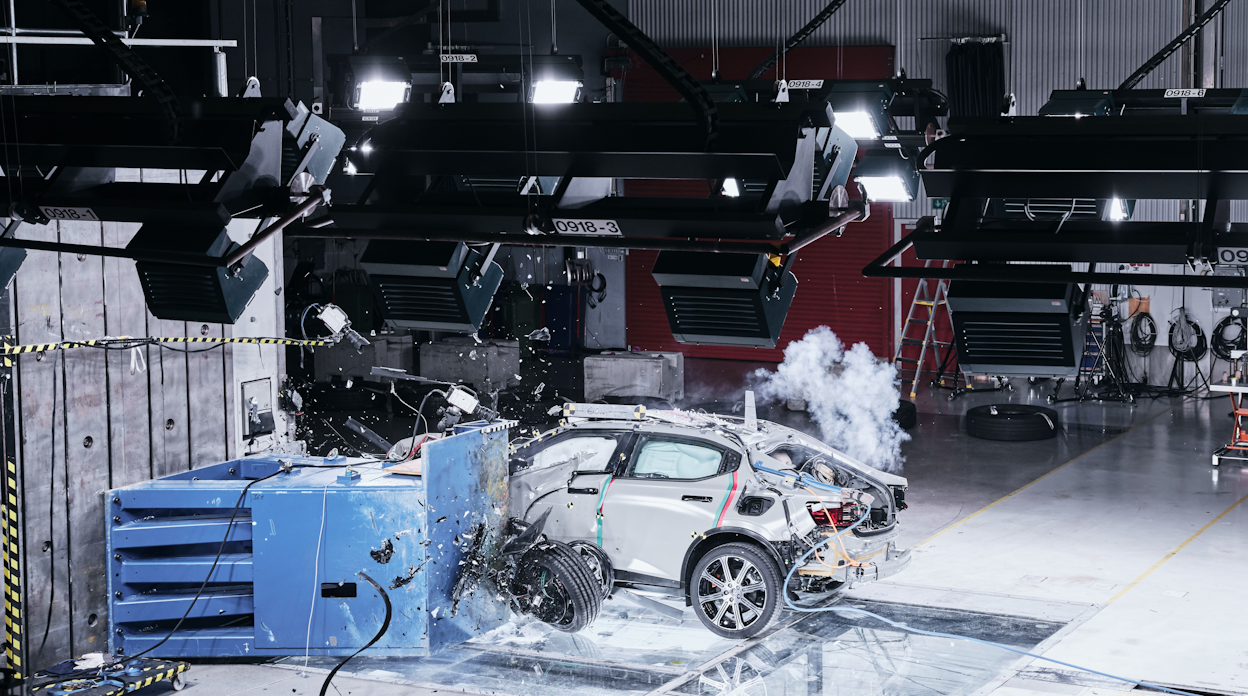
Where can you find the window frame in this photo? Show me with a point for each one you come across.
(621, 443)
(727, 462)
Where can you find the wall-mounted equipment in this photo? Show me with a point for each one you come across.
(1019, 329)
(725, 299)
(257, 407)
(437, 286)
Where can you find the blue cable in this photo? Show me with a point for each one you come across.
(806, 610)
(805, 479)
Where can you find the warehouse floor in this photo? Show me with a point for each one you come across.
(1115, 546)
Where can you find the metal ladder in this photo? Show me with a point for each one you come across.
(923, 297)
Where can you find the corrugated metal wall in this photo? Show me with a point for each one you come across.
(1050, 43)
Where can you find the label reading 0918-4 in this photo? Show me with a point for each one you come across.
(1233, 255)
(598, 227)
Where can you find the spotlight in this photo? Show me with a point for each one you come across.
(887, 178)
(731, 189)
(861, 108)
(860, 125)
(380, 96)
(556, 92)
(376, 83)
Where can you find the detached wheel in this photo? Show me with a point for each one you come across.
(555, 585)
(599, 564)
(1012, 422)
(736, 590)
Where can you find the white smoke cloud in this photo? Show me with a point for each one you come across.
(851, 395)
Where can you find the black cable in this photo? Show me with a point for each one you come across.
(384, 626)
(1143, 334)
(1221, 345)
(51, 517)
(1193, 352)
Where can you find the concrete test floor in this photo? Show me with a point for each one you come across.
(1116, 546)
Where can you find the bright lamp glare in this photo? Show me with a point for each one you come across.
(1117, 209)
(381, 96)
(857, 124)
(731, 189)
(555, 91)
(885, 188)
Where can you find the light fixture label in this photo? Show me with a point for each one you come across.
(602, 228)
(55, 213)
(1184, 93)
(805, 84)
(459, 57)
(1233, 255)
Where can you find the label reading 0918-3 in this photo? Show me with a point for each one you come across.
(55, 213)
(1233, 255)
(598, 227)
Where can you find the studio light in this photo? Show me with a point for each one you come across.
(556, 91)
(1118, 210)
(731, 188)
(380, 96)
(887, 178)
(858, 124)
(376, 83)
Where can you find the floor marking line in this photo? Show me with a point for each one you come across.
(1007, 496)
(1176, 550)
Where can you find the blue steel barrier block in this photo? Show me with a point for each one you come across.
(466, 479)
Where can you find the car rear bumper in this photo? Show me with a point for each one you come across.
(890, 562)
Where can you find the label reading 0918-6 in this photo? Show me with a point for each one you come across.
(599, 227)
(1184, 93)
(1233, 255)
(55, 213)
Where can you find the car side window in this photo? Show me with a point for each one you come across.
(584, 452)
(675, 459)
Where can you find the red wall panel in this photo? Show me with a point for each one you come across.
(831, 289)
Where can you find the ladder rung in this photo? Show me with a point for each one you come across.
(912, 341)
(929, 303)
(908, 360)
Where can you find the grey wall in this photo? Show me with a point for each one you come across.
(90, 420)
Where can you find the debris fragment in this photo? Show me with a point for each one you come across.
(542, 334)
(383, 554)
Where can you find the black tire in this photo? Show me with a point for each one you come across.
(1012, 422)
(599, 563)
(906, 415)
(724, 615)
(556, 586)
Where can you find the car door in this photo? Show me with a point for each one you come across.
(674, 489)
(566, 474)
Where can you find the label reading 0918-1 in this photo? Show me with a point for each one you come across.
(598, 227)
(1233, 255)
(56, 213)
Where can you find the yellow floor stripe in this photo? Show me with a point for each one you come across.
(1175, 551)
(1007, 496)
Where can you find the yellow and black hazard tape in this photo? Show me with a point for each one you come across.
(152, 674)
(12, 571)
(7, 349)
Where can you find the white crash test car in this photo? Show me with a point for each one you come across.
(708, 508)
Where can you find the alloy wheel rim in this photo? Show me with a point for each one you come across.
(731, 593)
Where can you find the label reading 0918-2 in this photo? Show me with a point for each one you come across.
(1233, 255)
(599, 227)
(55, 213)
(459, 57)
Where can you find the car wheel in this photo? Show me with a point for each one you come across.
(735, 590)
(599, 563)
(555, 585)
(1012, 422)
(906, 415)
